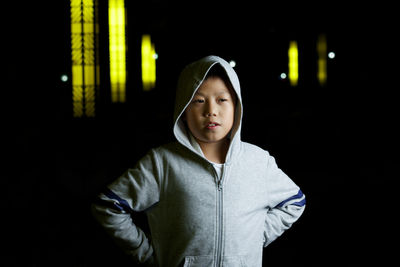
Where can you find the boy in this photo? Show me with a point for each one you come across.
(210, 199)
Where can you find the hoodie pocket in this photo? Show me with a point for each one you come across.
(205, 261)
(198, 261)
(236, 261)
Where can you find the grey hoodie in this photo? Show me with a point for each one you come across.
(196, 216)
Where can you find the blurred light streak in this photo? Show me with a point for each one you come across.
(322, 59)
(148, 63)
(117, 48)
(293, 65)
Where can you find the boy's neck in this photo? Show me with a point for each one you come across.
(215, 152)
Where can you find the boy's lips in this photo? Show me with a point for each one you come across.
(212, 125)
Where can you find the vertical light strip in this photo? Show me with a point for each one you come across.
(293, 63)
(76, 54)
(116, 20)
(85, 67)
(148, 63)
(322, 50)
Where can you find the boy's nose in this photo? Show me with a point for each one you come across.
(210, 111)
(210, 114)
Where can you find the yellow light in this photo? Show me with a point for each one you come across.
(117, 47)
(85, 67)
(322, 59)
(148, 63)
(293, 63)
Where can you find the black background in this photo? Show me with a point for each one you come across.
(336, 142)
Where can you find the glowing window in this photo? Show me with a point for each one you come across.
(85, 68)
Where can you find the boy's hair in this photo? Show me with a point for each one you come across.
(218, 71)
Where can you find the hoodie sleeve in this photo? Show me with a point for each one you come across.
(136, 190)
(287, 203)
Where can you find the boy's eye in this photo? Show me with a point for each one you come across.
(223, 100)
(198, 101)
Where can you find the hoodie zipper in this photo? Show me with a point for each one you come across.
(220, 214)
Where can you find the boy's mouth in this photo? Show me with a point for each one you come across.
(212, 125)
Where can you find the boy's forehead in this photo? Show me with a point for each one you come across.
(201, 93)
(214, 85)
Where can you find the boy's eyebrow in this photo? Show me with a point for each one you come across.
(219, 93)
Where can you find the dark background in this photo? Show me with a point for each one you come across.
(336, 142)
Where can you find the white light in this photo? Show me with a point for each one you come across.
(283, 76)
(64, 78)
(331, 55)
(155, 56)
(232, 63)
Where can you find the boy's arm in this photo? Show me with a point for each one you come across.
(287, 203)
(136, 190)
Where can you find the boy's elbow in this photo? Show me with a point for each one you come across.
(296, 202)
(298, 206)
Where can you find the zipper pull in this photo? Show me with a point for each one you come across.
(219, 185)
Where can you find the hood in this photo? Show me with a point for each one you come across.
(190, 79)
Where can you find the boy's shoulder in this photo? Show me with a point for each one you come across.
(252, 148)
(170, 148)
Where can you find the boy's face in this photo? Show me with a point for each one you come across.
(210, 115)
